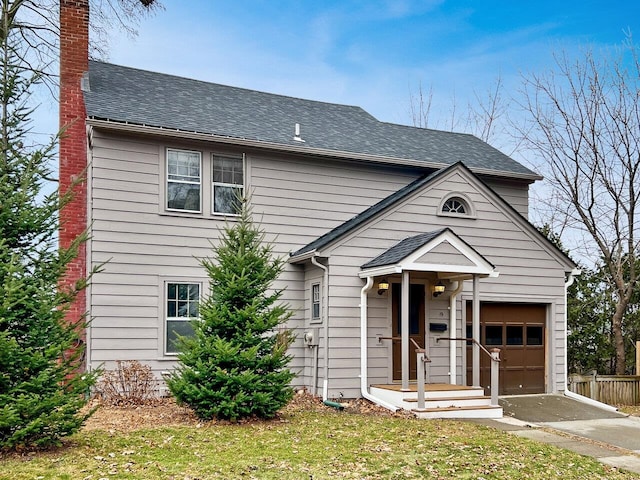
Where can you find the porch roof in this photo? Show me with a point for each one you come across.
(438, 251)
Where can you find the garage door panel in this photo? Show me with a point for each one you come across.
(518, 330)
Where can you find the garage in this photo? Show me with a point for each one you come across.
(519, 331)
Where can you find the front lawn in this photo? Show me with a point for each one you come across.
(304, 443)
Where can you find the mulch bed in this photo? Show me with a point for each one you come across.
(165, 412)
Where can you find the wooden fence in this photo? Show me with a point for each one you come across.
(609, 389)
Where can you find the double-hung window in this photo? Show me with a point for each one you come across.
(184, 180)
(181, 309)
(228, 184)
(315, 302)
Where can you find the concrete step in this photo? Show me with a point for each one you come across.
(459, 412)
(479, 401)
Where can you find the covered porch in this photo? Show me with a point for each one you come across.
(440, 262)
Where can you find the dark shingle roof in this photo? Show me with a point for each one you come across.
(403, 249)
(139, 97)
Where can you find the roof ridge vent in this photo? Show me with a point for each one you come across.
(296, 133)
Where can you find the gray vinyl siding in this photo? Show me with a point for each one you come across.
(294, 199)
(527, 271)
(515, 194)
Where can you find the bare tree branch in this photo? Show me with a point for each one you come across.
(583, 123)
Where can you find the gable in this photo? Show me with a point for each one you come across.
(498, 227)
(444, 254)
(413, 253)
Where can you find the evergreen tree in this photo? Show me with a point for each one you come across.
(41, 389)
(235, 365)
(589, 311)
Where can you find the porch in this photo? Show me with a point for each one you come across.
(427, 272)
(441, 400)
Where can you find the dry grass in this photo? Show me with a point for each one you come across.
(306, 441)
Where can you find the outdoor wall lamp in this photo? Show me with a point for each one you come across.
(438, 289)
(383, 286)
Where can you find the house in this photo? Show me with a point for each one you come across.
(399, 240)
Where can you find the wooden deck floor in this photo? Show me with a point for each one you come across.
(428, 387)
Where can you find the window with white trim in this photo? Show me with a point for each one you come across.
(181, 308)
(228, 184)
(184, 180)
(315, 301)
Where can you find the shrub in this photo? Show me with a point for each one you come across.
(131, 383)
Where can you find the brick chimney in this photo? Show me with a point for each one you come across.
(74, 63)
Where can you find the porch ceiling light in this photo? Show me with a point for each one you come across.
(438, 289)
(383, 286)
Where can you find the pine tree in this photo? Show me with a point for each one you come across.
(235, 365)
(41, 389)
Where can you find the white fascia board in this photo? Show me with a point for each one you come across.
(379, 271)
(440, 267)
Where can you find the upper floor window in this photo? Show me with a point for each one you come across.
(456, 205)
(228, 184)
(183, 180)
(202, 182)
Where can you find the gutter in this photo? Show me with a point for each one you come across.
(303, 256)
(363, 350)
(340, 154)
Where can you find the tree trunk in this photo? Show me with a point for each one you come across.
(616, 323)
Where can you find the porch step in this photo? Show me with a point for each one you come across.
(441, 401)
(444, 402)
(438, 390)
(487, 411)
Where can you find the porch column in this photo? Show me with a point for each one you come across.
(475, 327)
(404, 327)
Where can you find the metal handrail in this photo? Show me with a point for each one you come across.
(495, 360)
(473, 340)
(419, 349)
(421, 361)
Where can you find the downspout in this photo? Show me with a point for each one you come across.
(314, 381)
(452, 326)
(325, 320)
(567, 392)
(88, 353)
(570, 279)
(363, 350)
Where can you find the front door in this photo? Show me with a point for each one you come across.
(416, 326)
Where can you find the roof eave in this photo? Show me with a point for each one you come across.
(303, 256)
(297, 149)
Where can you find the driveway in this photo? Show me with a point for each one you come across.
(610, 437)
(575, 417)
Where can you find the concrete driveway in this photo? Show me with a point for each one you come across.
(611, 437)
